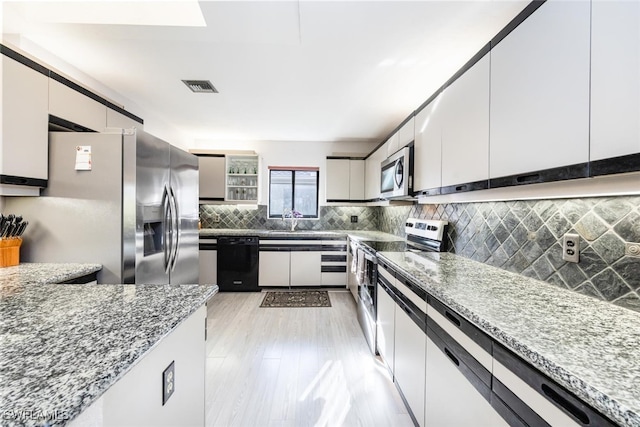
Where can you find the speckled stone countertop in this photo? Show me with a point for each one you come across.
(44, 273)
(356, 234)
(63, 346)
(591, 347)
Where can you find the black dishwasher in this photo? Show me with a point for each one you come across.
(238, 263)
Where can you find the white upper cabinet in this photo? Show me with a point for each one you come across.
(392, 144)
(465, 129)
(356, 179)
(539, 113)
(24, 132)
(406, 134)
(615, 79)
(119, 120)
(428, 147)
(372, 173)
(71, 105)
(338, 173)
(212, 176)
(345, 179)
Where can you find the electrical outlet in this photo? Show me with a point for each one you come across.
(354, 218)
(168, 382)
(216, 217)
(571, 248)
(632, 249)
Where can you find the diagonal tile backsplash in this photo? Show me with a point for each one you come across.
(331, 218)
(526, 237)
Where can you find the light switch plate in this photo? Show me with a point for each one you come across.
(571, 247)
(168, 382)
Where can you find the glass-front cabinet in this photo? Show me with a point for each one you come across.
(242, 178)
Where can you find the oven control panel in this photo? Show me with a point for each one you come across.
(427, 228)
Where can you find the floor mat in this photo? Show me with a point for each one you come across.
(296, 299)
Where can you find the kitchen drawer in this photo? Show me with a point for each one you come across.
(474, 341)
(456, 380)
(552, 402)
(412, 292)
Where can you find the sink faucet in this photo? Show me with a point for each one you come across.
(292, 215)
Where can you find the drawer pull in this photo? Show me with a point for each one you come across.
(453, 318)
(562, 402)
(451, 356)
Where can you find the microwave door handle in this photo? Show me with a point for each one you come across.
(399, 173)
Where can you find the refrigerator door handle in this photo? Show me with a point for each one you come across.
(168, 227)
(175, 229)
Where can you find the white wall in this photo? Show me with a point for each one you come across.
(290, 153)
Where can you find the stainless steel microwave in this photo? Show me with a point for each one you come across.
(396, 175)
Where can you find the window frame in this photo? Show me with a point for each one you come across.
(293, 170)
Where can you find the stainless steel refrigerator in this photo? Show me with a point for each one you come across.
(135, 211)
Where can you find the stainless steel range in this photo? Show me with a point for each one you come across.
(422, 236)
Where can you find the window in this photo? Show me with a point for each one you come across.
(293, 188)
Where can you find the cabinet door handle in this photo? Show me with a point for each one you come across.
(453, 318)
(562, 402)
(451, 356)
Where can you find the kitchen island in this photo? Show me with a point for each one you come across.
(589, 347)
(63, 348)
(42, 273)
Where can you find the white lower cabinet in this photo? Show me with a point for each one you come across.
(208, 267)
(136, 398)
(409, 363)
(450, 398)
(385, 327)
(292, 262)
(305, 268)
(274, 268)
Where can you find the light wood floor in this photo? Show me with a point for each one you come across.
(294, 367)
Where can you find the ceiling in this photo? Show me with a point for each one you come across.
(285, 70)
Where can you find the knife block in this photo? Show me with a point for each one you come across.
(10, 252)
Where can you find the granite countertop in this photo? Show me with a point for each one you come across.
(589, 346)
(44, 273)
(356, 234)
(63, 346)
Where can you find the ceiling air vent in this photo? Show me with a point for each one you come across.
(200, 86)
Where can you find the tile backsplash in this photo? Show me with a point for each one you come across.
(520, 236)
(331, 218)
(526, 237)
